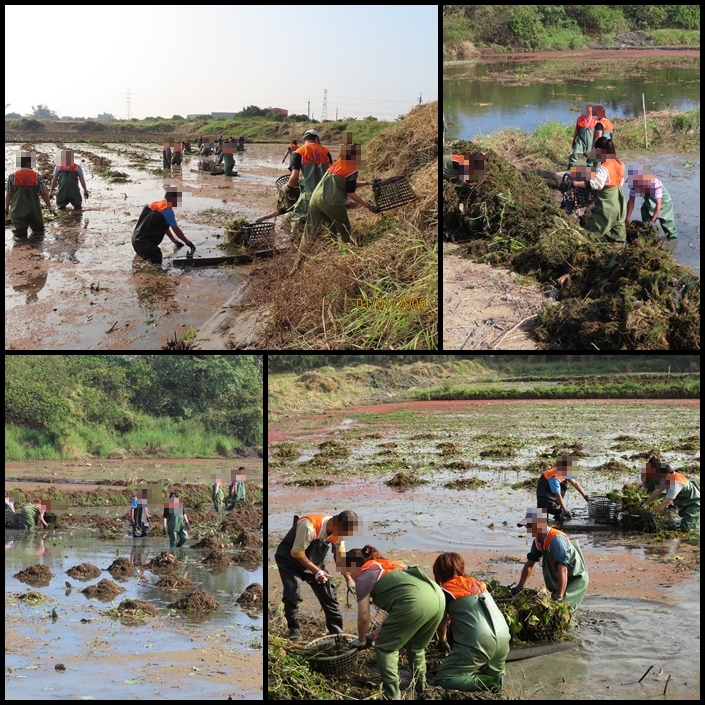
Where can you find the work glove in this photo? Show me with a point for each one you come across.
(86, 194)
(375, 209)
(52, 210)
(323, 575)
(586, 498)
(375, 182)
(259, 220)
(51, 195)
(515, 590)
(444, 647)
(357, 644)
(565, 516)
(177, 245)
(556, 598)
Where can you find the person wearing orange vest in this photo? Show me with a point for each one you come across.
(327, 205)
(564, 569)
(22, 192)
(309, 164)
(583, 135)
(301, 558)
(154, 223)
(68, 174)
(683, 493)
(609, 215)
(415, 607)
(552, 487)
(478, 630)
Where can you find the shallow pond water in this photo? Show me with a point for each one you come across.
(128, 650)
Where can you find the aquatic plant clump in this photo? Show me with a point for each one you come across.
(468, 483)
(402, 479)
(34, 575)
(198, 601)
(532, 615)
(84, 571)
(616, 298)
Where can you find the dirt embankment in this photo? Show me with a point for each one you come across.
(484, 308)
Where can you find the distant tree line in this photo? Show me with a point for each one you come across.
(504, 363)
(55, 392)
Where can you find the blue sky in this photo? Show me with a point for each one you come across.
(81, 60)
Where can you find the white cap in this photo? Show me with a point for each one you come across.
(310, 133)
(533, 515)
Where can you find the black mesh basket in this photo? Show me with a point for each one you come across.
(603, 510)
(259, 236)
(574, 197)
(281, 181)
(393, 192)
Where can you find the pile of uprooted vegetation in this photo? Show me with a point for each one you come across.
(616, 298)
(381, 292)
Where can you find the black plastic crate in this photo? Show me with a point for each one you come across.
(393, 192)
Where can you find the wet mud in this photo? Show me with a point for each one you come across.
(80, 285)
(136, 609)
(216, 559)
(84, 571)
(121, 568)
(628, 620)
(164, 561)
(37, 575)
(104, 590)
(173, 582)
(252, 597)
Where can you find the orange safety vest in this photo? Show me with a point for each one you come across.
(383, 564)
(552, 533)
(675, 476)
(342, 167)
(317, 521)
(606, 124)
(73, 167)
(463, 585)
(586, 122)
(553, 472)
(293, 147)
(25, 178)
(159, 205)
(615, 169)
(313, 153)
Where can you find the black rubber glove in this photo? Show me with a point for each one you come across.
(515, 590)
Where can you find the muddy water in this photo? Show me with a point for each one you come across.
(641, 597)
(683, 183)
(125, 651)
(49, 301)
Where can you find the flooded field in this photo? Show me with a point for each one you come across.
(642, 593)
(81, 285)
(169, 656)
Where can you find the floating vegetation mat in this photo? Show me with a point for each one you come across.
(532, 615)
(616, 298)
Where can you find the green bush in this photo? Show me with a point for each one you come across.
(526, 26)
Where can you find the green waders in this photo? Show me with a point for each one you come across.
(608, 220)
(327, 208)
(688, 504)
(416, 607)
(481, 644)
(583, 145)
(25, 210)
(666, 216)
(229, 163)
(30, 515)
(310, 176)
(68, 191)
(218, 495)
(577, 576)
(176, 528)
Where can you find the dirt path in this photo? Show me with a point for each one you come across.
(482, 304)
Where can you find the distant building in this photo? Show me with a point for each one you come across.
(226, 116)
(281, 111)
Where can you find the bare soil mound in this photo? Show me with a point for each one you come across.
(84, 571)
(239, 519)
(248, 538)
(250, 556)
(252, 597)
(164, 561)
(39, 575)
(217, 559)
(199, 601)
(121, 567)
(104, 590)
(210, 543)
(173, 582)
(136, 608)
